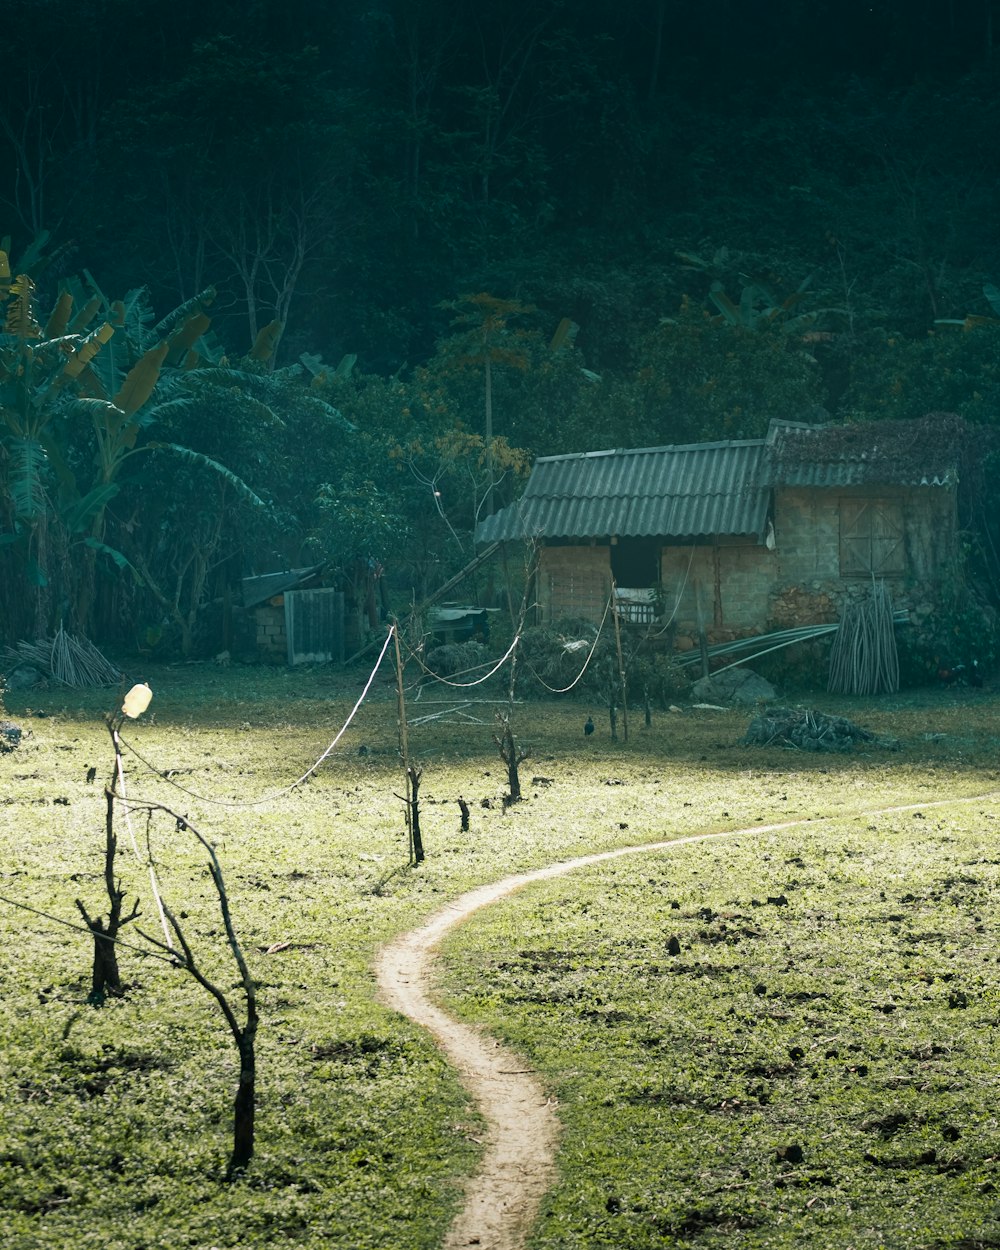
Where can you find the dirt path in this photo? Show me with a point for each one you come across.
(502, 1199)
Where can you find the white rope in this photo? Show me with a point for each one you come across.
(153, 883)
(285, 789)
(466, 685)
(563, 690)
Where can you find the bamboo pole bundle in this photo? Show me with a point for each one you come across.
(863, 658)
(67, 659)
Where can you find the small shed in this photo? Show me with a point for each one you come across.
(730, 538)
(293, 618)
(454, 623)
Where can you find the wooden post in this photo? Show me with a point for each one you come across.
(621, 661)
(404, 743)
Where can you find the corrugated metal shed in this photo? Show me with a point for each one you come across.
(682, 492)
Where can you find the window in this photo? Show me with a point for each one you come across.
(871, 538)
(635, 562)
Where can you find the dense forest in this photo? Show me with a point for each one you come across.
(276, 269)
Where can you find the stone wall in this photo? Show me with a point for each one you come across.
(809, 587)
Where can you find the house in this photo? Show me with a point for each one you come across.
(727, 539)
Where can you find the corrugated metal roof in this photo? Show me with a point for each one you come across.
(682, 491)
(265, 586)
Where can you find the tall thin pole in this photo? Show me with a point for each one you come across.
(404, 742)
(621, 660)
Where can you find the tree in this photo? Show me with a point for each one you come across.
(485, 339)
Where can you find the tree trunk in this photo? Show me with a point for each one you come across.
(414, 775)
(244, 1110)
(105, 976)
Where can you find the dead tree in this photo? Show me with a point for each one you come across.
(512, 755)
(106, 978)
(245, 1034)
(413, 775)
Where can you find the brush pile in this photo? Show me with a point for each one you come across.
(72, 661)
(806, 730)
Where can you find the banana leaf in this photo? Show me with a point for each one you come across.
(186, 335)
(77, 515)
(199, 303)
(137, 316)
(141, 380)
(86, 315)
(113, 554)
(266, 342)
(20, 319)
(26, 473)
(196, 457)
(58, 322)
(87, 350)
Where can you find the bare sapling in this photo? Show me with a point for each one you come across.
(105, 977)
(622, 686)
(512, 755)
(245, 1034)
(412, 774)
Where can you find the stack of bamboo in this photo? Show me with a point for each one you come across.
(864, 659)
(67, 659)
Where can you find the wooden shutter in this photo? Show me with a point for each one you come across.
(871, 538)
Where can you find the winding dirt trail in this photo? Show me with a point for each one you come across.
(502, 1199)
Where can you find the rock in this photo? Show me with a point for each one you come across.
(10, 736)
(735, 685)
(24, 677)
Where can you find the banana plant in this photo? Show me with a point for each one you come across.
(759, 308)
(96, 377)
(971, 320)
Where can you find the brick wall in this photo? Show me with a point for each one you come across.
(269, 631)
(573, 581)
(722, 589)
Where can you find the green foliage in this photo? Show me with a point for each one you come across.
(957, 634)
(699, 380)
(948, 370)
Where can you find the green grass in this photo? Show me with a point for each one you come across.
(114, 1123)
(814, 1064)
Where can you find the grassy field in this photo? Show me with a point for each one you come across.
(691, 1117)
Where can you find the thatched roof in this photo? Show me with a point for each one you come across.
(924, 452)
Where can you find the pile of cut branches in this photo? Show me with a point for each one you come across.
(67, 659)
(808, 730)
